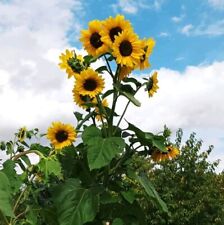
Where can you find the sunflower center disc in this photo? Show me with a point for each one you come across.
(90, 84)
(61, 136)
(125, 48)
(114, 32)
(95, 40)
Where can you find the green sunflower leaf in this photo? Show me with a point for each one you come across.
(75, 204)
(5, 196)
(107, 93)
(14, 179)
(128, 92)
(78, 116)
(131, 97)
(151, 192)
(132, 80)
(89, 133)
(50, 166)
(101, 69)
(147, 138)
(102, 150)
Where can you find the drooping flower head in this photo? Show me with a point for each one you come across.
(61, 135)
(112, 27)
(152, 85)
(67, 62)
(127, 49)
(89, 82)
(81, 100)
(124, 72)
(101, 115)
(171, 153)
(147, 45)
(22, 134)
(91, 39)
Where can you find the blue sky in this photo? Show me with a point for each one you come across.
(188, 32)
(189, 58)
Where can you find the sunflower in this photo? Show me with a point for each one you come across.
(67, 61)
(89, 83)
(127, 49)
(91, 39)
(124, 72)
(148, 46)
(152, 85)
(97, 110)
(22, 134)
(81, 100)
(112, 27)
(61, 135)
(171, 153)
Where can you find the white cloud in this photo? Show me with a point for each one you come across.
(164, 34)
(186, 29)
(191, 100)
(212, 29)
(179, 58)
(215, 29)
(30, 81)
(217, 4)
(133, 6)
(177, 19)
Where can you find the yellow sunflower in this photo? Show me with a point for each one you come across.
(127, 49)
(148, 46)
(97, 110)
(66, 60)
(124, 72)
(89, 82)
(152, 86)
(112, 27)
(22, 134)
(91, 39)
(61, 135)
(171, 153)
(81, 100)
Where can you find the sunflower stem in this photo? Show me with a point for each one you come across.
(108, 65)
(101, 111)
(115, 97)
(88, 116)
(125, 109)
(15, 157)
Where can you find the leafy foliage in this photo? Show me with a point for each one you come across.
(189, 185)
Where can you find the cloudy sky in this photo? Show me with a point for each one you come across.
(188, 56)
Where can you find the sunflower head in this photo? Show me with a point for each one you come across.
(112, 27)
(82, 101)
(61, 135)
(171, 153)
(89, 83)
(22, 134)
(147, 46)
(91, 39)
(152, 85)
(127, 49)
(71, 63)
(124, 72)
(97, 110)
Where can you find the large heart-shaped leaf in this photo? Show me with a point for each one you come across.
(75, 205)
(101, 150)
(5, 196)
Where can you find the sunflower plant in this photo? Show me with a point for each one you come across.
(87, 175)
